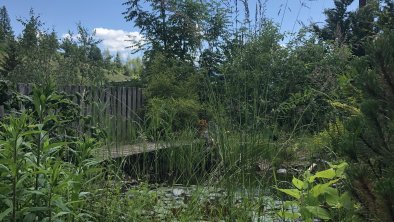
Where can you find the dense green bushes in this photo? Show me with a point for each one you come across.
(366, 140)
(46, 167)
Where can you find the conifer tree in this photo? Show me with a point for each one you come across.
(7, 43)
(6, 32)
(368, 141)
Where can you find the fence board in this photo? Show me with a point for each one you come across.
(124, 105)
(129, 103)
(2, 112)
(118, 101)
(134, 100)
(107, 101)
(138, 99)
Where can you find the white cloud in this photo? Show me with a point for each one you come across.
(118, 40)
(115, 40)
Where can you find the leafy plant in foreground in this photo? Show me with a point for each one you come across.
(319, 196)
(36, 182)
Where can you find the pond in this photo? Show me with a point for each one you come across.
(204, 203)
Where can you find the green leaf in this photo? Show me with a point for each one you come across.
(332, 197)
(35, 209)
(346, 201)
(31, 132)
(341, 169)
(59, 203)
(21, 180)
(321, 188)
(61, 214)
(29, 217)
(55, 145)
(83, 194)
(327, 174)
(4, 168)
(289, 215)
(292, 192)
(319, 212)
(5, 213)
(297, 183)
(36, 192)
(290, 204)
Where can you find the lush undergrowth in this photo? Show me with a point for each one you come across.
(49, 170)
(239, 126)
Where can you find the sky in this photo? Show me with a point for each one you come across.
(105, 16)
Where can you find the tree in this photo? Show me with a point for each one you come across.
(7, 43)
(338, 22)
(170, 27)
(6, 32)
(134, 67)
(117, 60)
(216, 35)
(30, 34)
(107, 59)
(386, 17)
(366, 138)
(84, 61)
(36, 53)
(352, 28)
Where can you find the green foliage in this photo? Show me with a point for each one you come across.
(134, 67)
(36, 181)
(82, 61)
(170, 27)
(6, 32)
(267, 84)
(166, 116)
(6, 36)
(8, 97)
(171, 91)
(37, 56)
(354, 28)
(33, 56)
(337, 22)
(316, 197)
(367, 139)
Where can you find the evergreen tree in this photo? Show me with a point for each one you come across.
(386, 17)
(118, 60)
(29, 40)
(170, 27)
(338, 22)
(107, 59)
(352, 28)
(368, 139)
(7, 43)
(6, 32)
(36, 53)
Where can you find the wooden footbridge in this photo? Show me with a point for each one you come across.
(112, 151)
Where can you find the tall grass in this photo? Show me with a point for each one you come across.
(230, 163)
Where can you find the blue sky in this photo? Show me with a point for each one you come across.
(106, 16)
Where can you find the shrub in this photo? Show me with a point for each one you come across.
(165, 116)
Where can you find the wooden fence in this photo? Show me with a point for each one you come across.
(1, 111)
(115, 101)
(115, 109)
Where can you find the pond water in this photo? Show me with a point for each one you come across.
(207, 203)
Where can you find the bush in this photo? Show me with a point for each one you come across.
(165, 116)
